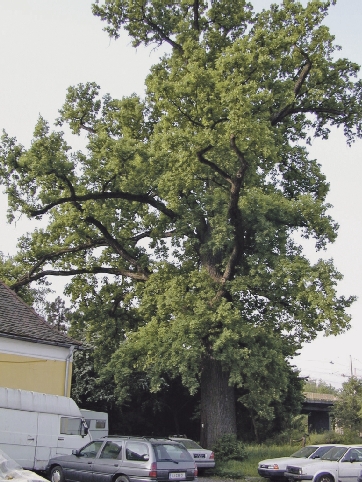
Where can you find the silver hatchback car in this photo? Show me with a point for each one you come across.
(125, 459)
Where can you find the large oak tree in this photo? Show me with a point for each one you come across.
(188, 204)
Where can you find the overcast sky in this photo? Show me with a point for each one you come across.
(48, 45)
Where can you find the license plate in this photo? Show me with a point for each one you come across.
(177, 475)
(199, 456)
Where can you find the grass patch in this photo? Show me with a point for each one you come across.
(249, 467)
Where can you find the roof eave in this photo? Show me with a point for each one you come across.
(76, 344)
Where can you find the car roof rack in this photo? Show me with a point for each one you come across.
(140, 437)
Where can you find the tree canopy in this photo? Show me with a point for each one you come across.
(186, 206)
(347, 410)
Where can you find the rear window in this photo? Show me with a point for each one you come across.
(167, 451)
(190, 444)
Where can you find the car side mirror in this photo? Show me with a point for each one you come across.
(75, 452)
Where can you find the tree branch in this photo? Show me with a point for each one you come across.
(88, 129)
(303, 74)
(290, 109)
(196, 25)
(213, 166)
(188, 117)
(162, 34)
(112, 242)
(142, 198)
(234, 213)
(76, 249)
(25, 280)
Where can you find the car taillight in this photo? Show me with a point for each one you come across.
(212, 456)
(195, 471)
(153, 471)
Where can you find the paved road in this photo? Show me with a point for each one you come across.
(211, 478)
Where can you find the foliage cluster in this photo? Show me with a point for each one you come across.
(229, 448)
(347, 410)
(319, 386)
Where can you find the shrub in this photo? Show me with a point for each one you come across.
(229, 448)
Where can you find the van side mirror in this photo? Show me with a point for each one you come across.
(84, 428)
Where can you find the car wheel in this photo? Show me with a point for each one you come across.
(325, 478)
(56, 474)
(122, 478)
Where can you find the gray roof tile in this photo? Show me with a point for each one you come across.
(18, 320)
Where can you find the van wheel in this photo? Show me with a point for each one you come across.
(56, 474)
(122, 478)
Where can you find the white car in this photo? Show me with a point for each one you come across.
(341, 463)
(274, 468)
(204, 458)
(11, 470)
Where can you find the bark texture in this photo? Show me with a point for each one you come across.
(218, 415)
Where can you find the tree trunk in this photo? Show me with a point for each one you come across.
(218, 410)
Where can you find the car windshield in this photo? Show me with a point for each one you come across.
(190, 444)
(304, 452)
(334, 454)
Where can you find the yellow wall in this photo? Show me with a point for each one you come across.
(35, 374)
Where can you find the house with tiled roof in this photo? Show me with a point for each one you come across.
(33, 355)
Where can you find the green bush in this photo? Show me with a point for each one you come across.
(229, 448)
(331, 437)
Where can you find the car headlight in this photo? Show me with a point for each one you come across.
(269, 466)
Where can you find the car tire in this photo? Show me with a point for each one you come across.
(56, 474)
(122, 478)
(324, 478)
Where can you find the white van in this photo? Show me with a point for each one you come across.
(97, 422)
(36, 426)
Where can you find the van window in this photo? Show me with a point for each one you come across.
(70, 426)
(100, 424)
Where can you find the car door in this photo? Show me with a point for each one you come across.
(351, 465)
(136, 460)
(79, 467)
(106, 464)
